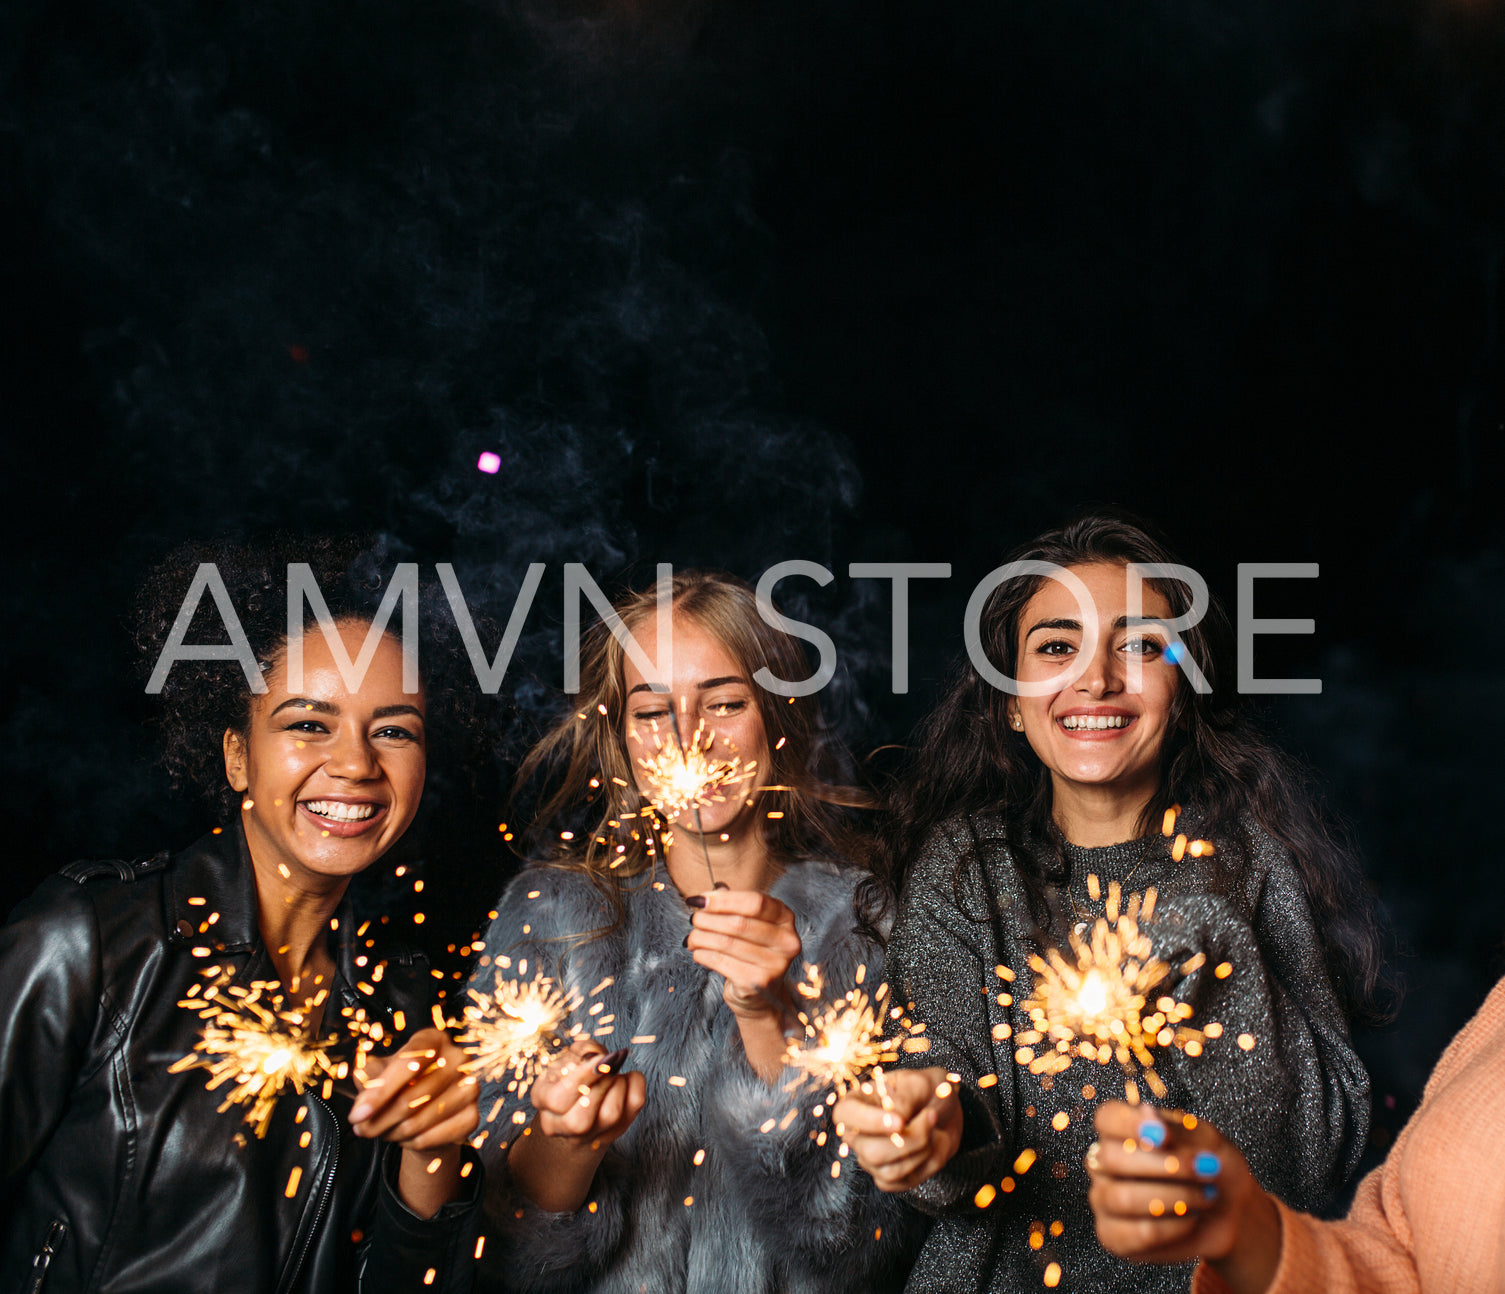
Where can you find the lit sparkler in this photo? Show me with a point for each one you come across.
(256, 1046)
(843, 1043)
(1097, 1003)
(843, 1046)
(846, 1043)
(516, 1028)
(686, 778)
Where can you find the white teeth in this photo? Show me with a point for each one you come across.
(1095, 721)
(340, 812)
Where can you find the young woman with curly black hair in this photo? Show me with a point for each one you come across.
(1021, 808)
(119, 1171)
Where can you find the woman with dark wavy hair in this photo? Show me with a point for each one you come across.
(1022, 807)
(670, 1148)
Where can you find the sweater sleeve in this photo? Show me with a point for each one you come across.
(537, 931)
(1451, 1232)
(849, 1236)
(1282, 1082)
(50, 965)
(1368, 1252)
(941, 961)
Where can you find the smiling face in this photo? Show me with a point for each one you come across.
(332, 777)
(708, 686)
(1092, 729)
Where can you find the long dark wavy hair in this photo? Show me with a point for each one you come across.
(967, 760)
(577, 784)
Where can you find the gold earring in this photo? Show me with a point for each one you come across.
(1018, 724)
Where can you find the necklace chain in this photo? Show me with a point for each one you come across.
(1085, 918)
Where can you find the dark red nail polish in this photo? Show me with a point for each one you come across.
(612, 1063)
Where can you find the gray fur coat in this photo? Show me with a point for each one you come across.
(767, 1214)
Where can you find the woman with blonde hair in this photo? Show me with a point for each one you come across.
(670, 1147)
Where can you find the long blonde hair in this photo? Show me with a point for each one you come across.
(583, 759)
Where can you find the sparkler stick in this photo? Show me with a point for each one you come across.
(260, 1049)
(1097, 1004)
(881, 1088)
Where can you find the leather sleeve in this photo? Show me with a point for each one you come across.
(408, 1253)
(50, 969)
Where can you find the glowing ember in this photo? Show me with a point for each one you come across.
(515, 1029)
(1097, 1004)
(489, 463)
(250, 1042)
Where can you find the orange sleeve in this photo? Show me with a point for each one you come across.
(1373, 1250)
(1368, 1252)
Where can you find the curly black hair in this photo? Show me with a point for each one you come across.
(201, 699)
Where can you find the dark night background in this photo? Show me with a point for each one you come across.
(736, 281)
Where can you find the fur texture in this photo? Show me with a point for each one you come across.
(767, 1213)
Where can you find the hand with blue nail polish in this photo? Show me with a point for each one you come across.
(1154, 1199)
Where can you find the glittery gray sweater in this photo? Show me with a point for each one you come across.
(1296, 1104)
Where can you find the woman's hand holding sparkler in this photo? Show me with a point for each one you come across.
(1167, 1188)
(583, 1104)
(421, 1099)
(750, 938)
(904, 1127)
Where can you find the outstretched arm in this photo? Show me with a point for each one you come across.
(1164, 1192)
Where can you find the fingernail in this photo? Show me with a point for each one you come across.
(610, 1064)
(696, 901)
(721, 885)
(1206, 1164)
(1152, 1133)
(1209, 1192)
(360, 1112)
(685, 942)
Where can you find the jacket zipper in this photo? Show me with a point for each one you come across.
(324, 1194)
(56, 1232)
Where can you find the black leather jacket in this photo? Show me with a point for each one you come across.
(120, 1177)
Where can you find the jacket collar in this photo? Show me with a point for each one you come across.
(214, 874)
